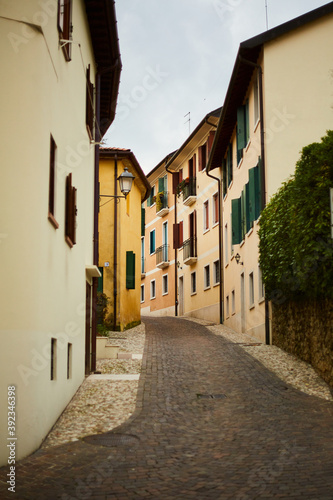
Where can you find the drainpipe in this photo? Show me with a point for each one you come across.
(263, 171)
(115, 245)
(95, 236)
(176, 251)
(221, 288)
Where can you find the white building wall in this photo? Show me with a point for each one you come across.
(42, 278)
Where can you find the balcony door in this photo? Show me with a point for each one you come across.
(165, 241)
(193, 233)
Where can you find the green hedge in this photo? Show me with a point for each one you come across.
(296, 250)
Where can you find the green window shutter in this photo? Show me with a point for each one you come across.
(152, 242)
(100, 281)
(252, 194)
(161, 185)
(143, 221)
(229, 162)
(236, 221)
(259, 206)
(130, 270)
(243, 215)
(247, 208)
(241, 131)
(224, 177)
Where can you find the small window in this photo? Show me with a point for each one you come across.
(130, 270)
(233, 302)
(217, 272)
(89, 105)
(202, 157)
(165, 285)
(206, 277)
(65, 26)
(53, 359)
(71, 212)
(215, 208)
(152, 246)
(142, 297)
(251, 290)
(206, 216)
(69, 360)
(52, 184)
(153, 289)
(193, 283)
(227, 307)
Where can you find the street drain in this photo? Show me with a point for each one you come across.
(211, 396)
(111, 440)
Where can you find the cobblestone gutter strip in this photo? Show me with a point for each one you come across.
(287, 367)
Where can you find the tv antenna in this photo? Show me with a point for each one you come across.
(188, 121)
(266, 7)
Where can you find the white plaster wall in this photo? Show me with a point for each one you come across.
(42, 279)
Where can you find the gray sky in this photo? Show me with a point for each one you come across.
(178, 56)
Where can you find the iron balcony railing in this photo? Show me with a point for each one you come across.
(161, 201)
(190, 188)
(162, 254)
(190, 248)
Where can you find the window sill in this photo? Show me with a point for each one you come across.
(241, 243)
(206, 231)
(215, 224)
(53, 221)
(250, 232)
(216, 284)
(207, 288)
(231, 184)
(193, 293)
(261, 300)
(252, 306)
(248, 146)
(256, 125)
(152, 298)
(226, 266)
(240, 163)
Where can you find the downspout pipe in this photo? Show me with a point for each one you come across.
(221, 288)
(263, 170)
(176, 251)
(95, 229)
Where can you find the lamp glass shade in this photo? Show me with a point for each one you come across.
(126, 181)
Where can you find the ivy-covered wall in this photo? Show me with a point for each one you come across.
(296, 259)
(305, 329)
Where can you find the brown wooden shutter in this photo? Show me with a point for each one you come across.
(175, 182)
(210, 141)
(175, 236)
(194, 165)
(180, 234)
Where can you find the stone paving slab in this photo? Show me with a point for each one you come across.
(263, 439)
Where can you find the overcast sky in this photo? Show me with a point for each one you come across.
(177, 58)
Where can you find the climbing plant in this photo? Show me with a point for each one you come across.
(295, 248)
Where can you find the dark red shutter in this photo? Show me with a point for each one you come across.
(175, 236)
(175, 182)
(180, 234)
(210, 141)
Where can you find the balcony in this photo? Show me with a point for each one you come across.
(190, 251)
(162, 256)
(162, 204)
(189, 191)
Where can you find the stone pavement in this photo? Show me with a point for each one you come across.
(211, 423)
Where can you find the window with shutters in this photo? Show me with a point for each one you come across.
(130, 270)
(165, 284)
(226, 246)
(52, 184)
(142, 294)
(256, 100)
(193, 283)
(229, 165)
(255, 192)
(100, 280)
(152, 246)
(206, 216)
(206, 277)
(178, 235)
(236, 225)
(89, 105)
(216, 211)
(143, 221)
(65, 26)
(251, 290)
(202, 157)
(216, 270)
(243, 129)
(151, 199)
(153, 289)
(261, 285)
(70, 212)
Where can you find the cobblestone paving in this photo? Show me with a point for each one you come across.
(257, 438)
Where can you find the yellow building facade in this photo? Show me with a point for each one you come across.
(120, 222)
(278, 101)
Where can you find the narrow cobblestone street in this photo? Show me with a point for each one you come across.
(211, 422)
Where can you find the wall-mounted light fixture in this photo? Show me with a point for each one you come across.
(238, 258)
(125, 181)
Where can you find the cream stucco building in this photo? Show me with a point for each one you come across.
(182, 243)
(280, 99)
(58, 98)
(120, 237)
